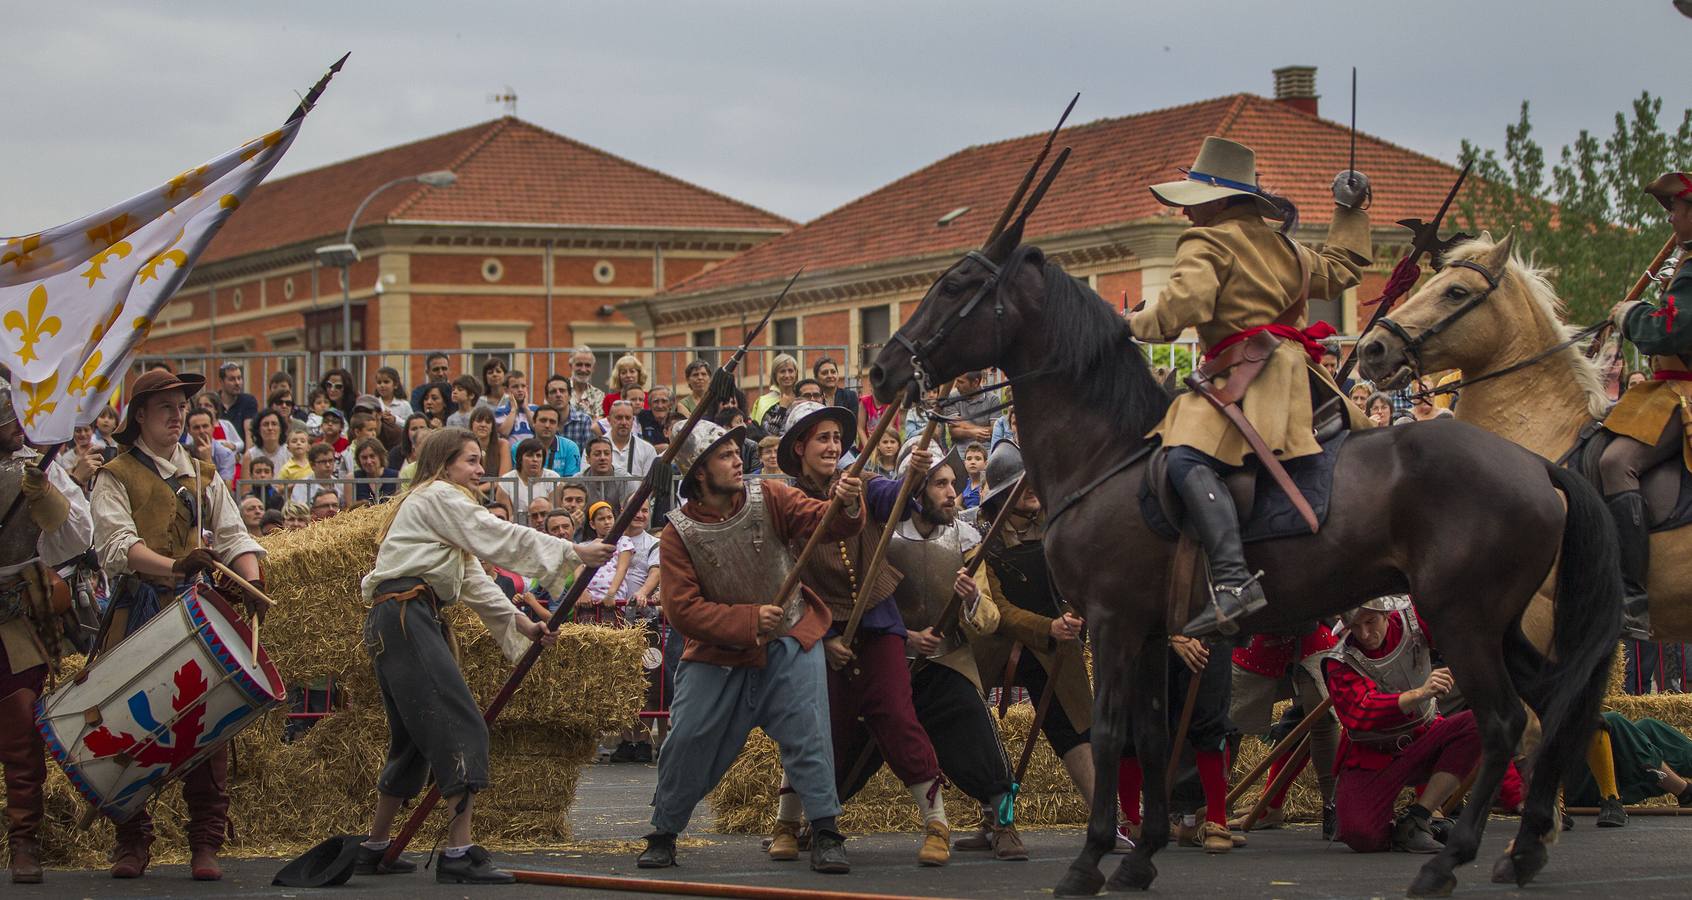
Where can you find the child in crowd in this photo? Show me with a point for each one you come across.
(607, 586)
(259, 468)
(975, 466)
(104, 424)
(391, 391)
(298, 465)
(322, 459)
(466, 390)
(318, 403)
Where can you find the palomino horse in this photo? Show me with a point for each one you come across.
(1543, 405)
(1443, 510)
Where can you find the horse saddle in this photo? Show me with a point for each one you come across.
(1266, 512)
(1666, 487)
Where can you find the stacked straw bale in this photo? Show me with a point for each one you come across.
(287, 797)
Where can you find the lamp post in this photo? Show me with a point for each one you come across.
(345, 253)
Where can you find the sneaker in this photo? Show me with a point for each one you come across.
(828, 853)
(1611, 813)
(1413, 833)
(660, 852)
(369, 862)
(474, 867)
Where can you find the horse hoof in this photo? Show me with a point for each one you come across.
(1528, 862)
(1504, 870)
(1430, 883)
(1132, 875)
(1079, 882)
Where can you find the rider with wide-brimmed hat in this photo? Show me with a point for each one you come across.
(1233, 278)
(1650, 424)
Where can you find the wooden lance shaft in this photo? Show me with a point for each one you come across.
(1644, 281)
(720, 382)
(1295, 762)
(788, 596)
(872, 571)
(1181, 730)
(1281, 749)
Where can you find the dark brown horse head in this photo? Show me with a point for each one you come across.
(968, 320)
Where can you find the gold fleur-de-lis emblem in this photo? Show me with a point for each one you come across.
(40, 398)
(93, 273)
(88, 379)
(25, 252)
(143, 325)
(151, 269)
(188, 183)
(37, 326)
(104, 325)
(110, 233)
(228, 201)
(258, 145)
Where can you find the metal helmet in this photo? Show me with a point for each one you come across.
(8, 412)
(1004, 465)
(704, 438)
(953, 459)
(1390, 603)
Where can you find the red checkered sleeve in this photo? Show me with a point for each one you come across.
(1359, 703)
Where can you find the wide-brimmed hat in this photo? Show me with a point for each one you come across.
(1223, 169)
(1004, 466)
(705, 437)
(154, 381)
(803, 416)
(329, 863)
(1669, 186)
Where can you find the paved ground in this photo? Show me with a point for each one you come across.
(1644, 860)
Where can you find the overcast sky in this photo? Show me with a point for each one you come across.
(797, 106)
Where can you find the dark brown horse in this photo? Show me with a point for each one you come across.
(1468, 523)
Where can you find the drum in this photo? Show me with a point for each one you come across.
(155, 705)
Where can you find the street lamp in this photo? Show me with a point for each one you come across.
(344, 254)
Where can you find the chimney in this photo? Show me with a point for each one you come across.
(1296, 87)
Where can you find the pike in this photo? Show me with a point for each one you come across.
(722, 383)
(1426, 242)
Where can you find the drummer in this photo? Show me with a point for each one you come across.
(160, 519)
(56, 527)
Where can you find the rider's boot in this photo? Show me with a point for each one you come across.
(1234, 589)
(1628, 509)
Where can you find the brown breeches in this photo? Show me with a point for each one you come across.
(1625, 459)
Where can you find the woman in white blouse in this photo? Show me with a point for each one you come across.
(428, 559)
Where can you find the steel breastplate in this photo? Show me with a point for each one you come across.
(18, 538)
(739, 560)
(1405, 668)
(930, 566)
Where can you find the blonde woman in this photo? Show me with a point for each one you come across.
(784, 374)
(627, 373)
(427, 560)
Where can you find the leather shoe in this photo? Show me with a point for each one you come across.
(1217, 838)
(26, 862)
(784, 842)
(474, 867)
(203, 865)
(981, 839)
(660, 852)
(369, 862)
(828, 853)
(1413, 833)
(1271, 818)
(1611, 813)
(129, 861)
(1330, 822)
(1007, 844)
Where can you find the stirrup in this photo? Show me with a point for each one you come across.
(1224, 622)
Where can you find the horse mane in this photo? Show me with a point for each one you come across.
(1093, 351)
(1544, 300)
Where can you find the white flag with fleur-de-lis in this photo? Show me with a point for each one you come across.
(77, 300)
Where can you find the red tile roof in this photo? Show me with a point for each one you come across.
(509, 171)
(1103, 183)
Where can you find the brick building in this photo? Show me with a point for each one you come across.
(537, 244)
(869, 262)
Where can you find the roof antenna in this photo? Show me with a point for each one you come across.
(509, 99)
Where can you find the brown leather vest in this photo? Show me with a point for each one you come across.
(161, 520)
(834, 568)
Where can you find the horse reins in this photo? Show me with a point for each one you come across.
(1533, 360)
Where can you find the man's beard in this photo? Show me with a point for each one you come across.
(937, 516)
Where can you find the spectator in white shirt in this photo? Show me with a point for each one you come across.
(630, 454)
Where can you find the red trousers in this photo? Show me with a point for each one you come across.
(1364, 798)
(870, 699)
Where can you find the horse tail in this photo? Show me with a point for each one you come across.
(1586, 624)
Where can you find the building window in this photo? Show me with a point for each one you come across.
(704, 338)
(784, 333)
(486, 350)
(492, 270)
(323, 330)
(604, 272)
(874, 328)
(287, 288)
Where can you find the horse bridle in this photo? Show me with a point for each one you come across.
(925, 347)
(1413, 345)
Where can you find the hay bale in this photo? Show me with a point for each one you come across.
(285, 797)
(745, 800)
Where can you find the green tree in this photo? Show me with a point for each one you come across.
(1587, 217)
